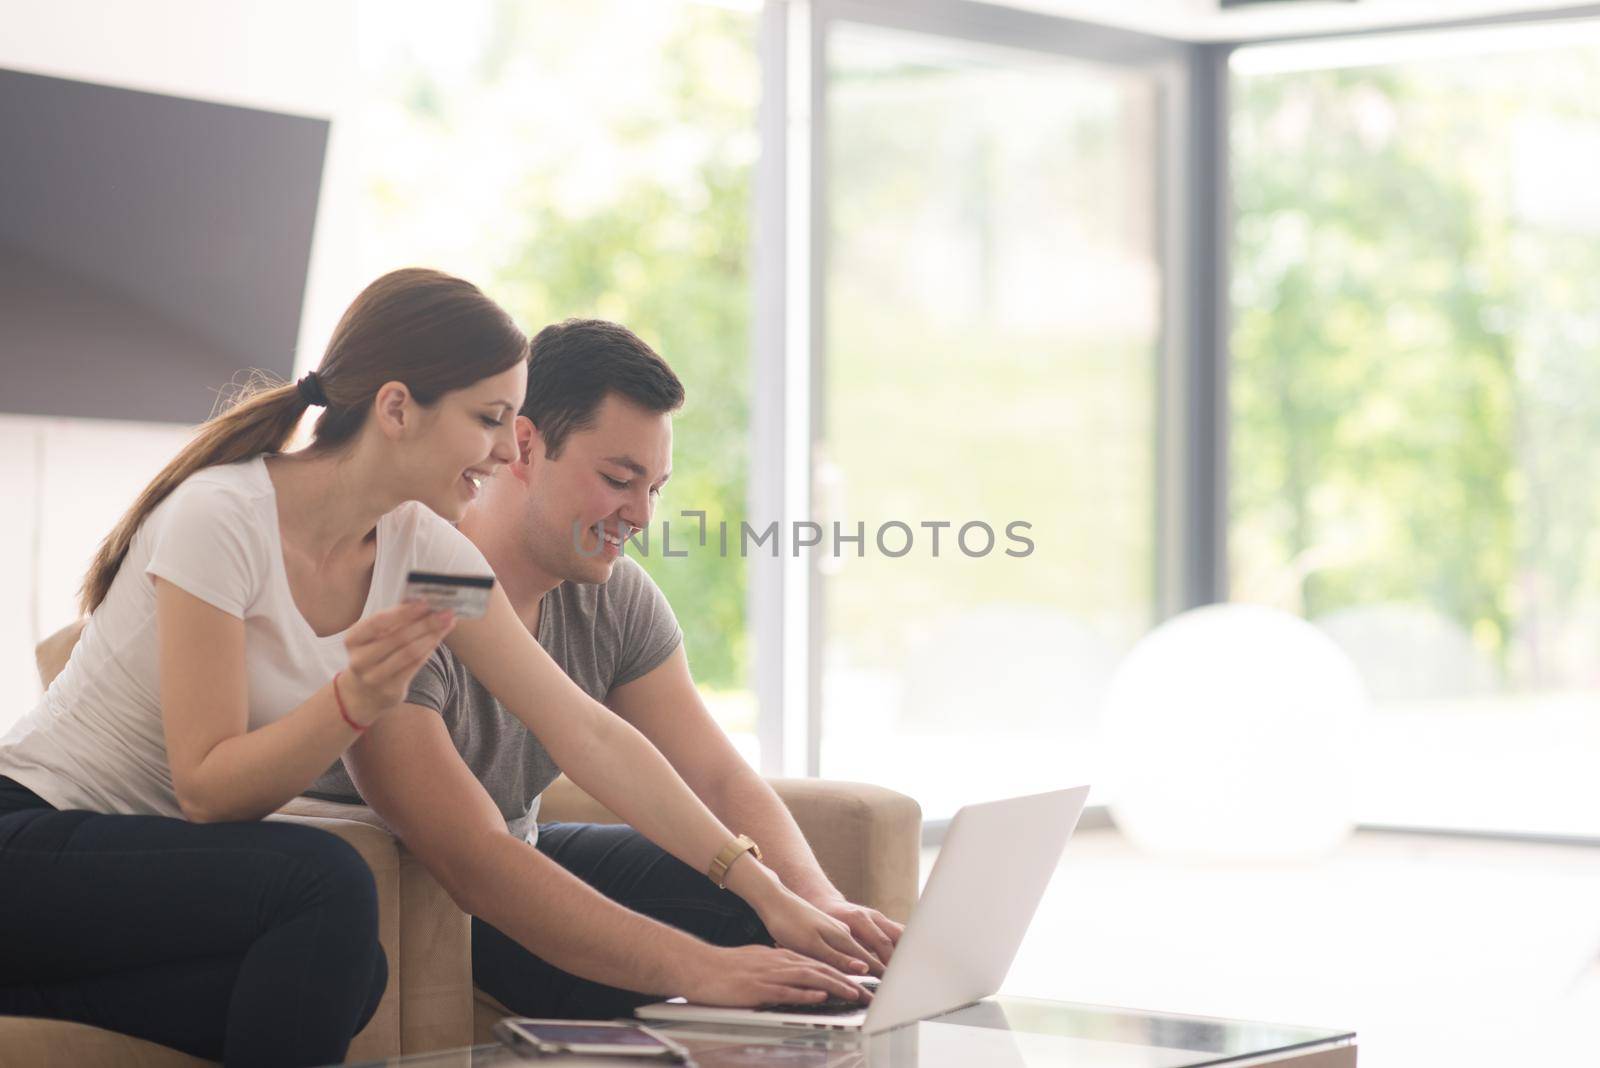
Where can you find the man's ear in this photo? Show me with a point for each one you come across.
(394, 410)
(530, 443)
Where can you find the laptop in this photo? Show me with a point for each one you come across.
(980, 898)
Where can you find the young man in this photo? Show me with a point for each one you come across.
(575, 920)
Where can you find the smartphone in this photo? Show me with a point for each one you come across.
(590, 1037)
(465, 595)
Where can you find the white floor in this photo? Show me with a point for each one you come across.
(1437, 951)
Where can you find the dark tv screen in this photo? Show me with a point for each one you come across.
(151, 247)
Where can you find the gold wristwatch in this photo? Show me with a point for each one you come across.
(728, 854)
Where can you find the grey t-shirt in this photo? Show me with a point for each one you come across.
(603, 636)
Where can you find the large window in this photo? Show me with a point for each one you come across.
(592, 159)
(993, 304)
(1416, 401)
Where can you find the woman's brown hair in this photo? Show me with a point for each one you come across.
(431, 331)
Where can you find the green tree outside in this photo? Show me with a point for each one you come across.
(622, 139)
(1414, 379)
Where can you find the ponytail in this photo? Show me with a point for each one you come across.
(429, 330)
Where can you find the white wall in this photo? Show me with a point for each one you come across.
(69, 481)
(65, 482)
(18, 483)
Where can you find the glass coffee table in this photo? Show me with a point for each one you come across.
(999, 1032)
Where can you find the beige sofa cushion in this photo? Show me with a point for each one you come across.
(430, 969)
(866, 838)
(381, 1037)
(51, 655)
(30, 1043)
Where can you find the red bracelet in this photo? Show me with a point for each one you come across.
(358, 728)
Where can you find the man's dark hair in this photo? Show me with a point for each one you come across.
(575, 363)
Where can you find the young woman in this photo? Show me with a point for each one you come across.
(244, 628)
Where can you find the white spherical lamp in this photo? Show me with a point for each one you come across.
(1231, 733)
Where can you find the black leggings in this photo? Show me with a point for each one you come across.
(250, 943)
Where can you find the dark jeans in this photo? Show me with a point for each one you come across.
(250, 943)
(631, 870)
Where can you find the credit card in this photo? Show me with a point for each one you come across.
(465, 595)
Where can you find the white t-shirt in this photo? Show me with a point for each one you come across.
(95, 739)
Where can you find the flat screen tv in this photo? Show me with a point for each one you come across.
(151, 247)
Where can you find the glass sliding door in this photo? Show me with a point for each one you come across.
(993, 300)
(1416, 401)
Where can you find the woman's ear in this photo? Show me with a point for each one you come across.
(393, 409)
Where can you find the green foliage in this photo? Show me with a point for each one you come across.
(979, 369)
(671, 261)
(1411, 418)
(620, 140)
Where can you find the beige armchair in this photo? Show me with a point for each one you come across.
(865, 837)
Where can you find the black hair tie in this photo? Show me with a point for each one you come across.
(310, 387)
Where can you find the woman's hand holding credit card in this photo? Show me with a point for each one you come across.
(465, 595)
(388, 647)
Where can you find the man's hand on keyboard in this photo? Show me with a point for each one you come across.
(870, 927)
(750, 976)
